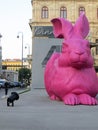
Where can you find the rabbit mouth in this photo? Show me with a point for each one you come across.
(78, 64)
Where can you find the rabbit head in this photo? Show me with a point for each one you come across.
(75, 49)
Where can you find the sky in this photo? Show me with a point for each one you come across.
(14, 18)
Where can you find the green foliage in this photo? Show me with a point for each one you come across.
(25, 75)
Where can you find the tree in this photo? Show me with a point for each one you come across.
(25, 75)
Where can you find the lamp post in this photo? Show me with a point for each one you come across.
(28, 48)
(0, 56)
(22, 45)
(28, 55)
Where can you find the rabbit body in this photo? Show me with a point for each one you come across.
(70, 75)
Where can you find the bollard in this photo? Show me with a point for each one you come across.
(10, 100)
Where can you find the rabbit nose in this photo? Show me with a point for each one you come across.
(79, 52)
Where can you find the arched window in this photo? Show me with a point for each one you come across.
(96, 47)
(81, 10)
(63, 12)
(44, 13)
(97, 13)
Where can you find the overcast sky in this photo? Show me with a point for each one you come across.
(14, 18)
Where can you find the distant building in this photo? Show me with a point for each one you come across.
(43, 41)
(16, 64)
(10, 67)
(11, 64)
(27, 62)
(10, 75)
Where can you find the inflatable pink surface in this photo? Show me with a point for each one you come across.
(70, 75)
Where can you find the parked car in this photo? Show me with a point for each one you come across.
(2, 83)
(11, 84)
(19, 84)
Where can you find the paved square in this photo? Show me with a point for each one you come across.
(35, 111)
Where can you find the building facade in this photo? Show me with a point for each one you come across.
(16, 64)
(10, 67)
(43, 41)
(10, 75)
(11, 64)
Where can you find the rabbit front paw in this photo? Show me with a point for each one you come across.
(71, 99)
(87, 100)
(54, 97)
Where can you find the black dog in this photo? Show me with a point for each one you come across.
(10, 100)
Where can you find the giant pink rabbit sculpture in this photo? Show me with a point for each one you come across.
(70, 75)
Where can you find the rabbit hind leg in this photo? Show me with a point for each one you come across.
(87, 99)
(71, 99)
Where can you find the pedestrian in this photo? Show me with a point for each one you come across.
(6, 88)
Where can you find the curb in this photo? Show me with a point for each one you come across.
(26, 90)
(21, 92)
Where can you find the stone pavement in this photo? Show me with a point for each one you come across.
(35, 111)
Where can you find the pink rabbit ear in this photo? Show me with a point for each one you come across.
(62, 28)
(81, 27)
(57, 28)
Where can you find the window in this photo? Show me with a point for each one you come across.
(81, 10)
(97, 47)
(44, 12)
(97, 13)
(63, 12)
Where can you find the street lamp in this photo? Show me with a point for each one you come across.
(28, 48)
(22, 45)
(28, 55)
(0, 55)
(0, 37)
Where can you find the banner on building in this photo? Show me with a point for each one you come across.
(43, 31)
